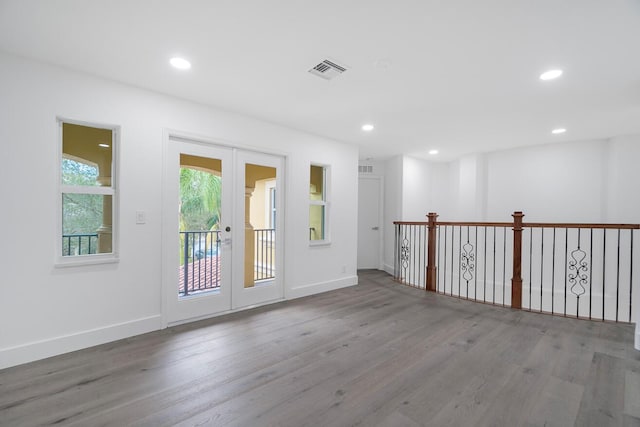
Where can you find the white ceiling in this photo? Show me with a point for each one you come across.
(460, 76)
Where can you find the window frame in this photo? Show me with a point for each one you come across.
(325, 202)
(62, 261)
(269, 204)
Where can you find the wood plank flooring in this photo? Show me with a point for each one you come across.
(377, 354)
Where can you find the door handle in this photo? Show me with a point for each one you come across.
(375, 228)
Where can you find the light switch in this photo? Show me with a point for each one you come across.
(141, 217)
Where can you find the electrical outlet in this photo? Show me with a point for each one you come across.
(141, 217)
(344, 268)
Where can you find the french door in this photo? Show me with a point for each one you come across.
(222, 229)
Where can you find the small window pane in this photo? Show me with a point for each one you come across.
(316, 187)
(316, 222)
(87, 155)
(86, 224)
(318, 203)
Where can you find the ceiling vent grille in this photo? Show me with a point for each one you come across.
(327, 69)
(365, 169)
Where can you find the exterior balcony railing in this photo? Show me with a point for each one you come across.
(200, 259)
(199, 256)
(79, 244)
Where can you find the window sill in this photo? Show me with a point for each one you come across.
(319, 243)
(84, 260)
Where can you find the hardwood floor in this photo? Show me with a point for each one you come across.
(377, 354)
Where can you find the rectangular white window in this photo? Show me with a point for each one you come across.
(87, 193)
(318, 204)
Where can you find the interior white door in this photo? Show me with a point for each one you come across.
(197, 252)
(369, 222)
(258, 247)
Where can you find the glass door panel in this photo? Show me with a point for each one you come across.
(258, 252)
(200, 207)
(197, 231)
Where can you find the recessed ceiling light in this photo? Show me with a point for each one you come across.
(550, 75)
(558, 131)
(180, 63)
(103, 145)
(433, 152)
(367, 127)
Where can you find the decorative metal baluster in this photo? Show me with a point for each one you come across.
(396, 258)
(566, 250)
(578, 279)
(404, 254)
(467, 262)
(475, 280)
(459, 261)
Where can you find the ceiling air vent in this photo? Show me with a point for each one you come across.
(327, 70)
(365, 169)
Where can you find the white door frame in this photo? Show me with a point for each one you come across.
(380, 180)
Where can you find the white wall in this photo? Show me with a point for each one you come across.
(467, 189)
(392, 207)
(555, 183)
(413, 187)
(585, 181)
(416, 189)
(46, 311)
(623, 196)
(426, 187)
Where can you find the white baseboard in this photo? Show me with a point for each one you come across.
(388, 268)
(316, 288)
(26, 353)
(637, 340)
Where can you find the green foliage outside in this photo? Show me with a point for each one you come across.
(200, 199)
(200, 195)
(82, 213)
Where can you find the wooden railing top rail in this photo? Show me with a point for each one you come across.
(527, 224)
(411, 222)
(476, 224)
(580, 225)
